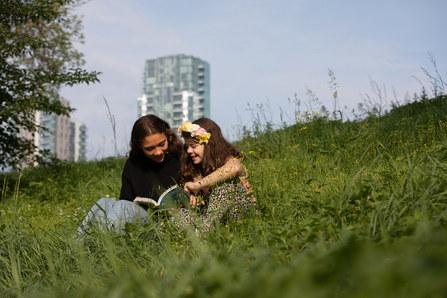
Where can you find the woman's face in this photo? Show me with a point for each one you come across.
(155, 146)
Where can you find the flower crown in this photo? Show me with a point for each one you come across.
(196, 132)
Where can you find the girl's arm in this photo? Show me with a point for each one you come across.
(230, 169)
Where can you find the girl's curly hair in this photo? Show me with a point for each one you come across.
(215, 153)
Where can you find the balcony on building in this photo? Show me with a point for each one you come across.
(178, 97)
(177, 107)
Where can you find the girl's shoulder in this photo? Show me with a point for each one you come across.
(236, 162)
(244, 172)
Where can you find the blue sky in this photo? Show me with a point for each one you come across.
(259, 51)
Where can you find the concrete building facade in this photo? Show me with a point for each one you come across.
(78, 141)
(176, 88)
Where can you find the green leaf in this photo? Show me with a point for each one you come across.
(417, 214)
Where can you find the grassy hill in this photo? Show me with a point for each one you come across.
(347, 209)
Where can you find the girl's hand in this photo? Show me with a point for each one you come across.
(192, 187)
(193, 200)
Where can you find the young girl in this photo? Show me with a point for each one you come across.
(224, 190)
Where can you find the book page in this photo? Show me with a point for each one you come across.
(146, 201)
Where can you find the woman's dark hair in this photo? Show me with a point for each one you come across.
(149, 125)
(215, 153)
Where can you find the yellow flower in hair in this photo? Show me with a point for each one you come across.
(203, 138)
(196, 132)
(183, 126)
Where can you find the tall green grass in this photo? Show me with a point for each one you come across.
(347, 209)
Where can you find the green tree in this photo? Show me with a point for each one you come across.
(37, 58)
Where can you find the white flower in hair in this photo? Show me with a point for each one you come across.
(191, 128)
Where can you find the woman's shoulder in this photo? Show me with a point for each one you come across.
(170, 157)
(137, 162)
(132, 160)
(145, 163)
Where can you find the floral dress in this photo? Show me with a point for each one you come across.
(230, 199)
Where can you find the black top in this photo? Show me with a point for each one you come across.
(143, 177)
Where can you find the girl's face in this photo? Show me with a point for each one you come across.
(155, 147)
(195, 151)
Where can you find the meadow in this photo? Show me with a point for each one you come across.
(347, 208)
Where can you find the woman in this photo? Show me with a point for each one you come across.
(152, 166)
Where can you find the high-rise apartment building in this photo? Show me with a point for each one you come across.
(57, 138)
(176, 88)
(78, 141)
(66, 138)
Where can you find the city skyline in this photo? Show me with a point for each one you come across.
(64, 137)
(261, 52)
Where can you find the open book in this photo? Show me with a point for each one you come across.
(173, 197)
